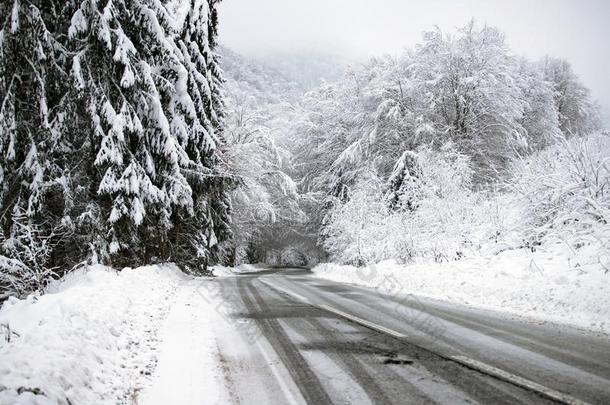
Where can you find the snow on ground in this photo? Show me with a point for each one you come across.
(94, 338)
(241, 269)
(555, 283)
(189, 370)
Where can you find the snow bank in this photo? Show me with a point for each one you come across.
(89, 340)
(189, 371)
(555, 283)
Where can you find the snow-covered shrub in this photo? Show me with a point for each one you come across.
(355, 230)
(447, 221)
(565, 190)
(560, 193)
(451, 220)
(14, 277)
(26, 257)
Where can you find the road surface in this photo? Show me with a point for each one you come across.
(319, 342)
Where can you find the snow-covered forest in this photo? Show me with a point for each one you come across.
(456, 147)
(128, 149)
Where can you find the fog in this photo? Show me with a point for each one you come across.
(355, 29)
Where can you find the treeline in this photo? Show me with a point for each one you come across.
(466, 88)
(405, 156)
(111, 139)
(417, 156)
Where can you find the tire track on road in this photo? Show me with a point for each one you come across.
(305, 379)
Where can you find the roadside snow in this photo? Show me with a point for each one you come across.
(188, 370)
(94, 337)
(555, 283)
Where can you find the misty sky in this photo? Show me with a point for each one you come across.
(578, 30)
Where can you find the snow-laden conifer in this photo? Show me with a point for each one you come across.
(110, 121)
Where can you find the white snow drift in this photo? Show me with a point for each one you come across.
(94, 337)
(555, 283)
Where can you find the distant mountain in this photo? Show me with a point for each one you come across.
(262, 83)
(309, 69)
(280, 77)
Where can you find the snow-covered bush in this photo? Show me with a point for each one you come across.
(355, 230)
(451, 220)
(565, 191)
(561, 193)
(444, 220)
(15, 278)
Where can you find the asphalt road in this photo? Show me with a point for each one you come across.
(318, 342)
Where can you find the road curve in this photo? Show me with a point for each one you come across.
(344, 344)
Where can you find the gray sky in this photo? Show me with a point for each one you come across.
(578, 30)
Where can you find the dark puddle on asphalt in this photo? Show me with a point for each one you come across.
(393, 358)
(294, 311)
(379, 352)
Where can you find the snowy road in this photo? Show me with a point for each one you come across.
(316, 341)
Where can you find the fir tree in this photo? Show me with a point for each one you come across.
(404, 184)
(110, 126)
(156, 121)
(210, 221)
(30, 139)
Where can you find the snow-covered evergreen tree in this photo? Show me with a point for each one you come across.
(152, 85)
(111, 117)
(30, 195)
(127, 64)
(404, 185)
(206, 172)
